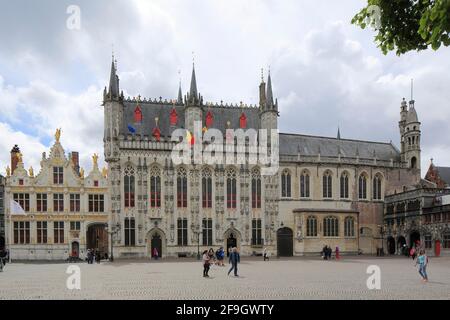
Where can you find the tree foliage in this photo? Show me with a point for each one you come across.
(406, 25)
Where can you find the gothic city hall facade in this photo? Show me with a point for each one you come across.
(319, 191)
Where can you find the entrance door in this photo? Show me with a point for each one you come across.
(285, 240)
(391, 245)
(97, 238)
(75, 249)
(156, 243)
(2, 243)
(231, 243)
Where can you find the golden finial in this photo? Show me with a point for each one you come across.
(104, 172)
(81, 173)
(31, 172)
(8, 171)
(156, 121)
(58, 135)
(95, 160)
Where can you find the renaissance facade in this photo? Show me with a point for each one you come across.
(326, 191)
(57, 213)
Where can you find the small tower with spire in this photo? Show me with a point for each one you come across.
(267, 106)
(113, 109)
(193, 104)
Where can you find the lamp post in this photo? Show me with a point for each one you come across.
(382, 239)
(111, 232)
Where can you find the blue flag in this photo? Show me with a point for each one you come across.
(131, 129)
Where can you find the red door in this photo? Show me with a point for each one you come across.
(437, 248)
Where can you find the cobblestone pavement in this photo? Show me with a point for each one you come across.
(275, 279)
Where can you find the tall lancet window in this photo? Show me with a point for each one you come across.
(286, 184)
(304, 185)
(377, 187)
(344, 185)
(256, 189)
(231, 188)
(155, 188)
(362, 192)
(129, 187)
(182, 188)
(206, 188)
(327, 184)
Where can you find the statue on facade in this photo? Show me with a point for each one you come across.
(95, 160)
(19, 157)
(31, 172)
(104, 172)
(81, 173)
(58, 135)
(8, 171)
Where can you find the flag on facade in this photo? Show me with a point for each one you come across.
(16, 208)
(131, 129)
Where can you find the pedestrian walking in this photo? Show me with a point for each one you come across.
(3, 256)
(206, 265)
(413, 253)
(234, 260)
(337, 253)
(422, 262)
(155, 253)
(265, 254)
(220, 254)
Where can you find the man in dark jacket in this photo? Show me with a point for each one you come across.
(235, 258)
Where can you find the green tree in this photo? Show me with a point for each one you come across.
(406, 25)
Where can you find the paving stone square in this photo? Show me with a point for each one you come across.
(295, 278)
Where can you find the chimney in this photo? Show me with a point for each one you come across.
(75, 157)
(14, 160)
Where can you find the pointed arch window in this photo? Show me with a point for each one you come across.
(304, 185)
(173, 117)
(362, 187)
(311, 226)
(155, 188)
(256, 189)
(206, 188)
(377, 187)
(157, 134)
(243, 121)
(286, 184)
(209, 120)
(349, 227)
(182, 188)
(138, 114)
(231, 188)
(129, 187)
(327, 184)
(344, 185)
(331, 227)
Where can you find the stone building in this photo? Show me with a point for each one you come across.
(440, 176)
(421, 214)
(326, 191)
(65, 211)
(2, 212)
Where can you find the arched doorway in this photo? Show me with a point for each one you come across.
(231, 242)
(391, 245)
(413, 162)
(156, 239)
(414, 239)
(97, 238)
(401, 243)
(156, 243)
(75, 249)
(285, 242)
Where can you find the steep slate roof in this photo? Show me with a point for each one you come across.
(444, 174)
(292, 144)
(221, 114)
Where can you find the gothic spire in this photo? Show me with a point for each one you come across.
(339, 134)
(269, 95)
(180, 95)
(113, 91)
(193, 89)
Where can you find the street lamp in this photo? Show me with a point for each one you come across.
(382, 239)
(114, 230)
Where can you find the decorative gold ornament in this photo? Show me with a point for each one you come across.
(95, 160)
(19, 157)
(81, 173)
(104, 172)
(8, 171)
(31, 172)
(58, 135)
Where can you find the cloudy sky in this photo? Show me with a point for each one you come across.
(326, 72)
